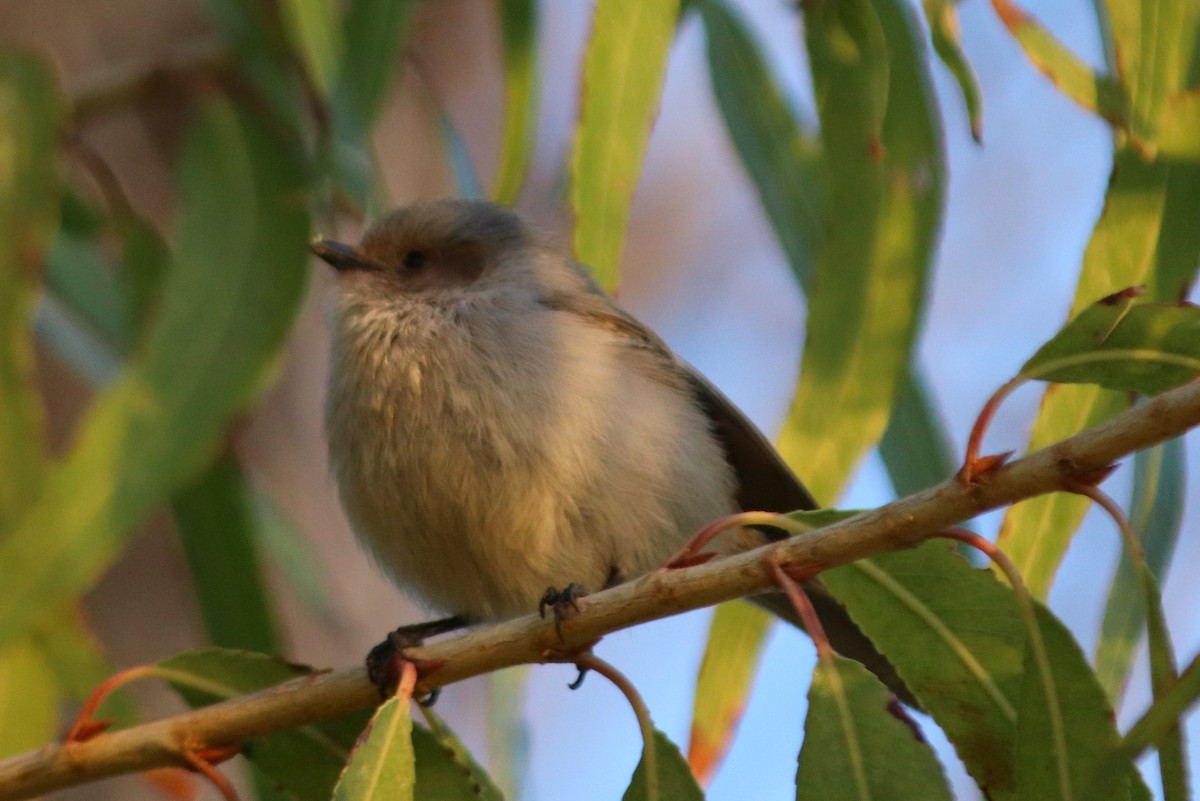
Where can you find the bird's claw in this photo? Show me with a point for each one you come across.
(564, 603)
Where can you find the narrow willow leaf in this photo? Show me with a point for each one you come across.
(227, 305)
(445, 769)
(955, 636)
(1051, 768)
(287, 550)
(916, 448)
(373, 33)
(77, 662)
(731, 655)
(28, 698)
(305, 762)
(519, 26)
(783, 162)
(508, 740)
(1157, 725)
(382, 767)
(675, 780)
(1156, 43)
(882, 143)
(1123, 345)
(623, 73)
(216, 518)
(1180, 134)
(78, 274)
(115, 303)
(145, 260)
(942, 16)
(30, 193)
(1074, 78)
(263, 58)
(313, 28)
(1144, 236)
(1156, 513)
(856, 747)
(781, 158)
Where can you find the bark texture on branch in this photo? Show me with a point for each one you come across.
(901, 524)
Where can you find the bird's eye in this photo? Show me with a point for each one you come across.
(414, 259)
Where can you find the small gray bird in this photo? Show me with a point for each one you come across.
(498, 425)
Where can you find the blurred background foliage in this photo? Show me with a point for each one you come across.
(154, 217)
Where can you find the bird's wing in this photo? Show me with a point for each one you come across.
(765, 482)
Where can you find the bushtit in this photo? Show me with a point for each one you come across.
(498, 425)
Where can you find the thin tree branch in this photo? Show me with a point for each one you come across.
(901, 524)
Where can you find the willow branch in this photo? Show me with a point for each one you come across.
(902, 524)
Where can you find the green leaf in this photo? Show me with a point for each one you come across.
(675, 780)
(819, 518)
(264, 59)
(1124, 251)
(1156, 513)
(955, 636)
(314, 30)
(781, 158)
(731, 655)
(1123, 345)
(508, 729)
(374, 32)
(942, 16)
(856, 747)
(519, 26)
(916, 449)
(287, 550)
(444, 767)
(1100, 94)
(382, 765)
(1155, 40)
(28, 698)
(1180, 134)
(77, 662)
(1049, 768)
(623, 73)
(304, 762)
(30, 190)
(1156, 726)
(79, 275)
(227, 305)
(216, 521)
(885, 168)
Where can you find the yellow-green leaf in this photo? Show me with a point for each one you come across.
(884, 162)
(942, 16)
(32, 109)
(28, 698)
(519, 26)
(1074, 78)
(382, 767)
(735, 640)
(1143, 236)
(315, 33)
(622, 79)
(227, 304)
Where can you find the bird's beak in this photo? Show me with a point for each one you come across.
(342, 257)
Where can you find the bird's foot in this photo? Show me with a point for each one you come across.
(564, 603)
(385, 661)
